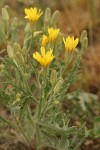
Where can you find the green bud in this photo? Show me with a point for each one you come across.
(17, 48)
(14, 24)
(11, 54)
(17, 100)
(24, 51)
(5, 15)
(53, 77)
(84, 40)
(85, 43)
(27, 28)
(56, 102)
(55, 18)
(83, 35)
(76, 51)
(26, 75)
(37, 33)
(20, 58)
(58, 86)
(59, 38)
(18, 95)
(10, 51)
(47, 18)
(47, 15)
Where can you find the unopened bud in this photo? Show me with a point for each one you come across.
(17, 99)
(20, 57)
(47, 18)
(24, 51)
(26, 75)
(83, 35)
(37, 33)
(53, 77)
(5, 15)
(27, 28)
(58, 86)
(76, 51)
(47, 15)
(85, 43)
(56, 102)
(55, 18)
(10, 51)
(14, 24)
(17, 48)
(18, 95)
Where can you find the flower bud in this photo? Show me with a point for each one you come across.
(55, 18)
(5, 15)
(47, 18)
(53, 77)
(17, 48)
(18, 95)
(24, 51)
(20, 58)
(58, 86)
(26, 75)
(10, 51)
(37, 33)
(14, 29)
(14, 24)
(56, 102)
(27, 28)
(85, 43)
(47, 15)
(83, 35)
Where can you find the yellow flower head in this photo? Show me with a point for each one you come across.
(70, 43)
(53, 33)
(44, 40)
(33, 14)
(45, 58)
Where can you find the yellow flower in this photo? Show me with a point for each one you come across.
(70, 43)
(45, 58)
(53, 33)
(33, 14)
(44, 40)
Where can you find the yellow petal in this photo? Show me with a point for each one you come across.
(43, 51)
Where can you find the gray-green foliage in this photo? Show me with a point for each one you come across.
(25, 85)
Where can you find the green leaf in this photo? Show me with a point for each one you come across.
(7, 122)
(97, 119)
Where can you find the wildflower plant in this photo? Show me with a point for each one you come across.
(35, 79)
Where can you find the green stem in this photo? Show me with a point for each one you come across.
(40, 106)
(30, 116)
(37, 136)
(67, 62)
(42, 99)
(22, 132)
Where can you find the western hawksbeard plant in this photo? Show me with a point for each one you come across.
(35, 79)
